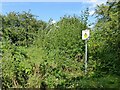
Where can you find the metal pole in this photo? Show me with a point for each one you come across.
(85, 56)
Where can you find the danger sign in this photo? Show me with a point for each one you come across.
(85, 34)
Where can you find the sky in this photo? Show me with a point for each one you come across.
(49, 9)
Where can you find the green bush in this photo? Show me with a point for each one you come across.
(36, 54)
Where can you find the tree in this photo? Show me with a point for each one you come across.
(21, 29)
(105, 39)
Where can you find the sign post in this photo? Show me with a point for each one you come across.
(85, 36)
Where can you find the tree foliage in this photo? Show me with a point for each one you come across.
(36, 54)
(105, 41)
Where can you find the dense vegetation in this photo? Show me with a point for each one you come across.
(38, 54)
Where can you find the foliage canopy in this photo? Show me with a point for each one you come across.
(39, 54)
